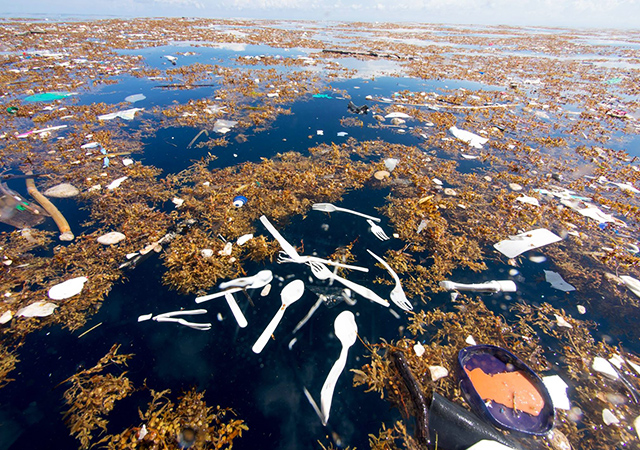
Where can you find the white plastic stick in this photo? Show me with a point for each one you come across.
(489, 286)
(266, 334)
(235, 309)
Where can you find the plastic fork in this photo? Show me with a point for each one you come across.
(378, 231)
(283, 258)
(322, 272)
(397, 295)
(328, 207)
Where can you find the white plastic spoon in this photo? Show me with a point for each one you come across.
(347, 331)
(259, 280)
(290, 294)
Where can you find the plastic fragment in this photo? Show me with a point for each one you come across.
(134, 98)
(438, 372)
(604, 367)
(632, 283)
(67, 288)
(556, 281)
(37, 309)
(116, 183)
(111, 238)
(557, 389)
(419, 349)
(609, 418)
(6, 317)
(516, 245)
(127, 114)
(472, 139)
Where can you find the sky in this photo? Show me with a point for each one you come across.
(552, 13)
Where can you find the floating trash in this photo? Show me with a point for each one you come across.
(116, 183)
(604, 367)
(6, 317)
(206, 252)
(244, 239)
(37, 309)
(63, 190)
(391, 163)
(134, 98)
(111, 238)
(609, 418)
(224, 126)
(127, 114)
(438, 372)
(48, 96)
(557, 282)
(381, 175)
(557, 389)
(472, 139)
(524, 242)
(240, 201)
(67, 289)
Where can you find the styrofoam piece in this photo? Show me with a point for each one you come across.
(523, 242)
(470, 138)
(37, 309)
(67, 288)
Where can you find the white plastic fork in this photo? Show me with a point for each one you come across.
(397, 295)
(378, 231)
(282, 258)
(322, 272)
(328, 207)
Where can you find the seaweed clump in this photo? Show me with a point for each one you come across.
(92, 396)
(189, 424)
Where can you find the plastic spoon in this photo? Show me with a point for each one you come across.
(261, 279)
(346, 330)
(289, 295)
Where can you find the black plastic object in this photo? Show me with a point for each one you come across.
(493, 360)
(455, 428)
(364, 109)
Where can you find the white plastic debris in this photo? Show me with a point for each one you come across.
(604, 367)
(224, 126)
(63, 190)
(632, 283)
(226, 250)
(127, 162)
(609, 418)
(562, 322)
(134, 98)
(488, 444)
(6, 317)
(397, 115)
(145, 317)
(529, 200)
(470, 340)
(177, 201)
(419, 349)
(489, 286)
(116, 183)
(37, 309)
(438, 372)
(616, 360)
(127, 114)
(67, 289)
(557, 389)
(538, 259)
(391, 163)
(581, 309)
(516, 245)
(342, 133)
(556, 281)
(111, 238)
(143, 432)
(470, 138)
(206, 253)
(636, 425)
(320, 132)
(244, 239)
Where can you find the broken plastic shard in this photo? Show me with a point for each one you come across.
(489, 286)
(419, 349)
(438, 372)
(48, 96)
(470, 138)
(556, 281)
(632, 283)
(609, 418)
(562, 322)
(134, 98)
(6, 317)
(224, 126)
(116, 183)
(391, 163)
(144, 317)
(604, 367)
(37, 309)
(558, 391)
(244, 239)
(67, 289)
(127, 114)
(529, 200)
(523, 242)
(364, 109)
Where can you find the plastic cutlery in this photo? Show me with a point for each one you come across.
(322, 272)
(378, 231)
(290, 294)
(235, 309)
(259, 280)
(346, 330)
(328, 207)
(397, 295)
